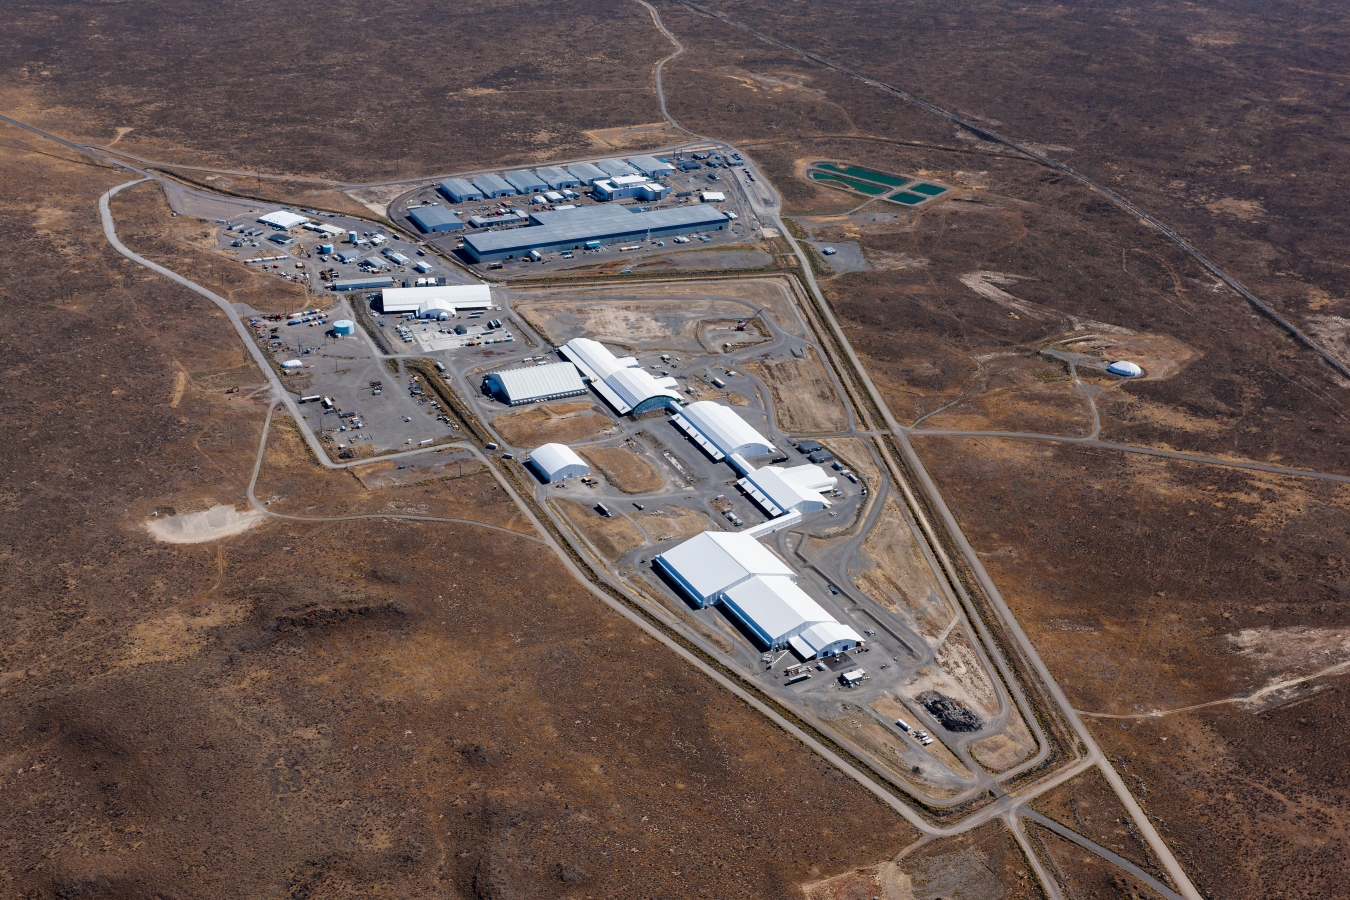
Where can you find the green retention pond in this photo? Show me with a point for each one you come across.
(907, 198)
(860, 186)
(931, 190)
(866, 174)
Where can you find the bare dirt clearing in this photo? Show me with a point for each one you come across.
(631, 323)
(672, 522)
(563, 423)
(209, 525)
(611, 536)
(626, 470)
(804, 399)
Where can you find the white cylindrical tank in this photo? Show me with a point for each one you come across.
(1125, 368)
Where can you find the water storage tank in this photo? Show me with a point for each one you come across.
(344, 326)
(1125, 368)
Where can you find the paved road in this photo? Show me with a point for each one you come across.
(1094, 753)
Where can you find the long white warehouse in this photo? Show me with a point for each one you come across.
(759, 589)
(720, 431)
(554, 462)
(534, 383)
(779, 491)
(437, 300)
(623, 383)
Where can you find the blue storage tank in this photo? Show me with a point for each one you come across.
(344, 327)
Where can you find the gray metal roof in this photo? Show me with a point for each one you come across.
(526, 181)
(492, 184)
(650, 165)
(552, 380)
(370, 281)
(561, 226)
(557, 176)
(458, 187)
(617, 167)
(429, 218)
(587, 173)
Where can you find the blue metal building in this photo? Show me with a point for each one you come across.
(526, 182)
(432, 219)
(493, 186)
(457, 190)
(573, 229)
(615, 167)
(557, 177)
(586, 173)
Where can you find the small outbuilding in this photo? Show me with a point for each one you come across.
(1125, 368)
(554, 462)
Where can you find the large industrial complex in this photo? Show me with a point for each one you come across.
(591, 226)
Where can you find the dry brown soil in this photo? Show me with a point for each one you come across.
(562, 423)
(670, 523)
(329, 708)
(1083, 875)
(804, 399)
(1089, 806)
(611, 536)
(628, 471)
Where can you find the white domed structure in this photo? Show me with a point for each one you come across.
(1125, 368)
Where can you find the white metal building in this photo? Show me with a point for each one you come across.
(825, 639)
(623, 383)
(720, 431)
(651, 166)
(759, 589)
(713, 197)
(554, 462)
(435, 301)
(282, 219)
(535, 383)
(709, 564)
(779, 491)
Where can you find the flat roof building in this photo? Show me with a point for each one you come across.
(432, 219)
(457, 190)
(535, 383)
(623, 383)
(557, 177)
(720, 431)
(282, 219)
(493, 186)
(622, 187)
(435, 301)
(586, 173)
(526, 182)
(515, 217)
(651, 166)
(713, 197)
(554, 462)
(363, 283)
(616, 167)
(573, 229)
(781, 491)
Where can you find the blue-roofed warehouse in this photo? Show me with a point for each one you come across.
(434, 218)
(614, 167)
(587, 173)
(558, 177)
(526, 182)
(493, 186)
(651, 166)
(573, 229)
(457, 190)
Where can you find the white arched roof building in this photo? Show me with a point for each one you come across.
(720, 431)
(1126, 368)
(554, 462)
(620, 380)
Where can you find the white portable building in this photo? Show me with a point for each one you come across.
(554, 462)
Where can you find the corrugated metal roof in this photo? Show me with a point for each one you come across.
(493, 184)
(649, 165)
(726, 430)
(429, 218)
(558, 461)
(459, 189)
(526, 181)
(820, 636)
(714, 561)
(775, 607)
(450, 297)
(617, 167)
(586, 173)
(623, 387)
(778, 494)
(282, 219)
(557, 176)
(539, 382)
(602, 223)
